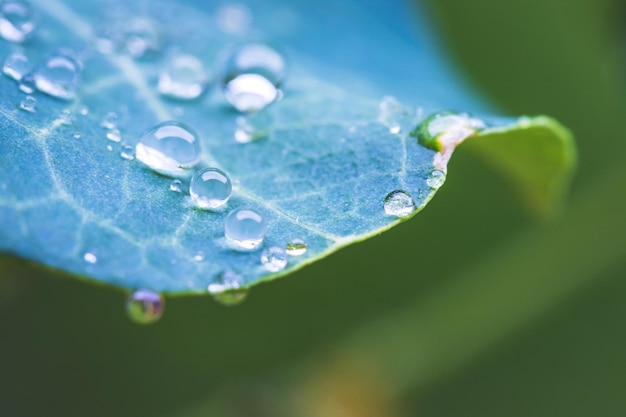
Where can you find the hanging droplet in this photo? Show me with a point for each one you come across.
(16, 66)
(109, 121)
(16, 20)
(446, 128)
(252, 76)
(234, 18)
(399, 204)
(436, 179)
(127, 152)
(245, 228)
(58, 76)
(145, 306)
(228, 289)
(142, 36)
(28, 104)
(210, 188)
(177, 186)
(114, 135)
(183, 77)
(169, 148)
(274, 259)
(296, 247)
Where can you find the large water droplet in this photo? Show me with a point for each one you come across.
(245, 228)
(169, 148)
(234, 18)
(16, 66)
(296, 247)
(145, 306)
(142, 36)
(16, 20)
(436, 179)
(228, 289)
(28, 104)
(58, 76)
(274, 259)
(210, 188)
(252, 76)
(183, 77)
(399, 204)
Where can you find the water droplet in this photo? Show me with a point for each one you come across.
(28, 104)
(446, 128)
(436, 179)
(399, 204)
(16, 66)
(245, 228)
(274, 259)
(252, 76)
(58, 76)
(27, 84)
(84, 110)
(169, 148)
(127, 152)
(210, 188)
(109, 121)
(183, 77)
(66, 117)
(90, 258)
(390, 113)
(177, 186)
(245, 132)
(296, 247)
(227, 289)
(234, 18)
(114, 135)
(142, 36)
(145, 306)
(76, 135)
(199, 256)
(16, 20)
(109, 148)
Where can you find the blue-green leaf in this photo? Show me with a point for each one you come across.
(325, 158)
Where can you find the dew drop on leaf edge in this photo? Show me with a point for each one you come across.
(296, 247)
(399, 203)
(145, 306)
(227, 288)
(274, 259)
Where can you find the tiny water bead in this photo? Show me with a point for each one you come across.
(296, 247)
(28, 104)
(145, 306)
(252, 77)
(436, 179)
(109, 121)
(114, 135)
(399, 204)
(245, 228)
(16, 20)
(210, 188)
(227, 289)
(58, 76)
(142, 36)
(274, 259)
(90, 258)
(127, 152)
(177, 186)
(169, 148)
(446, 128)
(16, 66)
(183, 77)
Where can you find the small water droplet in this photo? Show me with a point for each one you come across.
(446, 128)
(58, 76)
(169, 148)
(76, 135)
(177, 186)
(390, 113)
(245, 228)
(436, 179)
(399, 204)
(16, 66)
(199, 256)
(234, 18)
(183, 77)
(114, 135)
(90, 258)
(274, 259)
(296, 247)
(29, 104)
(109, 148)
(16, 20)
(142, 36)
(109, 121)
(84, 110)
(210, 188)
(252, 76)
(228, 289)
(145, 306)
(127, 152)
(27, 84)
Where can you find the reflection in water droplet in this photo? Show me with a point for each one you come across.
(183, 77)
(446, 128)
(210, 188)
(274, 259)
(58, 76)
(114, 135)
(228, 289)
(169, 148)
(109, 121)
(296, 247)
(127, 152)
(142, 36)
(16, 20)
(177, 186)
(245, 228)
(399, 204)
(234, 18)
(436, 179)
(252, 76)
(16, 66)
(90, 258)
(28, 104)
(145, 306)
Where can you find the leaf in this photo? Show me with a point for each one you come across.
(327, 155)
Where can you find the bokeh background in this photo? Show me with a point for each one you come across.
(473, 308)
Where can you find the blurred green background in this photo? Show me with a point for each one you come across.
(474, 308)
